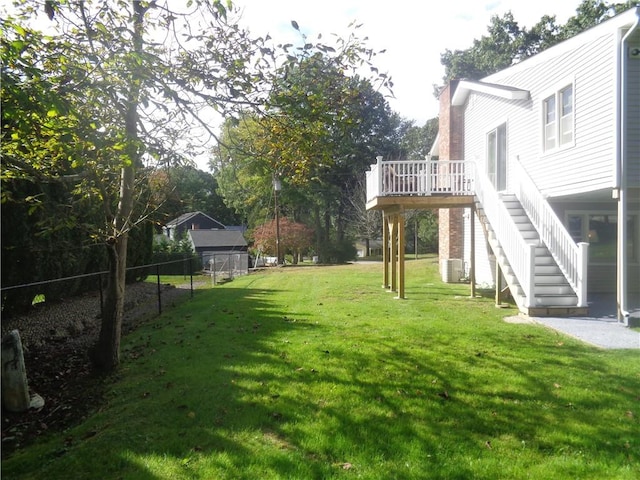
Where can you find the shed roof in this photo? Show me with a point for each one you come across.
(217, 238)
(185, 217)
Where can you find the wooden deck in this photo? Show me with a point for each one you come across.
(389, 203)
(396, 186)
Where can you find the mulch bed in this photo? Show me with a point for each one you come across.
(56, 341)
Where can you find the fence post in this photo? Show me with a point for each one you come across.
(190, 266)
(159, 294)
(101, 295)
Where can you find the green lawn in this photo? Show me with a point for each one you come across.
(317, 372)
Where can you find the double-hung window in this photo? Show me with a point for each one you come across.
(558, 119)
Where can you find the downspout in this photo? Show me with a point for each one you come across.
(621, 179)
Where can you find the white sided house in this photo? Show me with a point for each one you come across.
(537, 178)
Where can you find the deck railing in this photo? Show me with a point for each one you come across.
(420, 177)
(572, 258)
(519, 253)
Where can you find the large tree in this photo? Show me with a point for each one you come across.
(119, 88)
(293, 238)
(109, 91)
(321, 130)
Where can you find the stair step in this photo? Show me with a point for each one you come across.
(516, 211)
(529, 235)
(566, 311)
(543, 289)
(521, 219)
(548, 269)
(526, 227)
(554, 278)
(556, 300)
(545, 260)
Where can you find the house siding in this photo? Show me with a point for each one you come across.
(593, 151)
(633, 115)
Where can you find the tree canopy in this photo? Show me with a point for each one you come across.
(507, 43)
(321, 130)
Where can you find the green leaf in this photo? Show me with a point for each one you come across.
(19, 30)
(18, 45)
(101, 28)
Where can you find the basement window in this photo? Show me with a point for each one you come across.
(600, 230)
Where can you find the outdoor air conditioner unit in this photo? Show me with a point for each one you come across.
(451, 270)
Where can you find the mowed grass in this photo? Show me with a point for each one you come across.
(317, 372)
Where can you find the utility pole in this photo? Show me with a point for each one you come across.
(277, 186)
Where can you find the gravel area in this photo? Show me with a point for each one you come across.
(601, 332)
(79, 318)
(56, 340)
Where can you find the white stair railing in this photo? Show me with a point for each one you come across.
(519, 253)
(572, 258)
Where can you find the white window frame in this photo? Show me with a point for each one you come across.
(559, 131)
(499, 179)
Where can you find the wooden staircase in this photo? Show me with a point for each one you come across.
(553, 295)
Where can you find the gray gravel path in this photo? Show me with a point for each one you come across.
(601, 332)
(600, 327)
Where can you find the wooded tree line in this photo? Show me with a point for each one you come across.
(106, 105)
(507, 42)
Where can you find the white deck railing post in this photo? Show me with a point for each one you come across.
(583, 262)
(380, 174)
(531, 276)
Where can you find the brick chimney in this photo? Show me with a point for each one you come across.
(451, 147)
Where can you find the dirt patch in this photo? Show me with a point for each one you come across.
(56, 340)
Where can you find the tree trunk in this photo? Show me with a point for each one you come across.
(106, 355)
(318, 232)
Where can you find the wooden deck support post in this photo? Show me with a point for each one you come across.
(401, 245)
(393, 227)
(385, 250)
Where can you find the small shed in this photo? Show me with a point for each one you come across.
(221, 250)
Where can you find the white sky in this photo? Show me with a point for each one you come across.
(413, 32)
